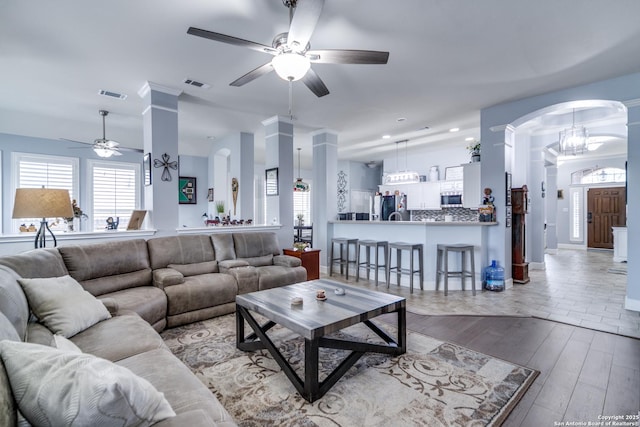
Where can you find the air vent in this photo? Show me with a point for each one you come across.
(197, 84)
(112, 94)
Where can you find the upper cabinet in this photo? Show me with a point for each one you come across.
(423, 196)
(472, 189)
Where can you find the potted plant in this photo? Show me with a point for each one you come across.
(220, 208)
(474, 150)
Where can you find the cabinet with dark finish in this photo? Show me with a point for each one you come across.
(519, 267)
(310, 260)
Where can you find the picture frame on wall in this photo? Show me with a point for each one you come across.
(507, 217)
(187, 190)
(146, 167)
(210, 195)
(508, 186)
(271, 181)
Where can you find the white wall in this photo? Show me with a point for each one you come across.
(196, 167)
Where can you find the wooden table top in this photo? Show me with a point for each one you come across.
(313, 318)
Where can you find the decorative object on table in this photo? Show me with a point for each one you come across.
(205, 218)
(300, 246)
(210, 195)
(77, 214)
(474, 150)
(488, 198)
(42, 203)
(434, 173)
(339, 291)
(136, 219)
(271, 176)
(235, 186)
(146, 167)
(300, 185)
(486, 213)
(187, 190)
(300, 218)
(112, 224)
(320, 295)
(220, 207)
(166, 164)
(296, 300)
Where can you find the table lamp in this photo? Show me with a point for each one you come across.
(42, 203)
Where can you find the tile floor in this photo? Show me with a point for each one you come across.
(575, 288)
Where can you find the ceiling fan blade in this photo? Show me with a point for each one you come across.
(315, 83)
(231, 40)
(346, 56)
(135, 150)
(253, 74)
(305, 18)
(79, 142)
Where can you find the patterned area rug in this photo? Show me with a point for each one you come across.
(434, 384)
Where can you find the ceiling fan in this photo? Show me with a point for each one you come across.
(292, 56)
(104, 147)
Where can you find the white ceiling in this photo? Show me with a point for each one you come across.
(448, 59)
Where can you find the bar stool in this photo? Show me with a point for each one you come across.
(444, 269)
(368, 245)
(413, 248)
(342, 241)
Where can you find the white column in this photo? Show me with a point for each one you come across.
(160, 133)
(632, 301)
(325, 187)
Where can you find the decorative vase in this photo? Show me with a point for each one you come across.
(475, 157)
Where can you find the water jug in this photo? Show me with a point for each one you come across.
(494, 277)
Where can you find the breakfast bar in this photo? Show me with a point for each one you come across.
(430, 234)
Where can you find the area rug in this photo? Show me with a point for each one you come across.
(434, 384)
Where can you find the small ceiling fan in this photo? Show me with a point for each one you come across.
(292, 56)
(102, 146)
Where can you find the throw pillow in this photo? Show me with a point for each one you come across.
(55, 388)
(62, 305)
(65, 344)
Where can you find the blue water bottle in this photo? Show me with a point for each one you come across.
(494, 277)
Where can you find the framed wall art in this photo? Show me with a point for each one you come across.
(271, 180)
(508, 185)
(187, 190)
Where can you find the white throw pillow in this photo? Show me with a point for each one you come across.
(62, 304)
(65, 344)
(57, 388)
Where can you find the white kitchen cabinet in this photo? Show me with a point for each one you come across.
(472, 189)
(423, 196)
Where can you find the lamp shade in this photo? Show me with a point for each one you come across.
(42, 203)
(291, 66)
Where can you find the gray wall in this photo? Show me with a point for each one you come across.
(196, 167)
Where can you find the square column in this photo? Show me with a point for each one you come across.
(325, 188)
(160, 132)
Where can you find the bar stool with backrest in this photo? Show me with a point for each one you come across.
(343, 261)
(376, 245)
(442, 265)
(412, 248)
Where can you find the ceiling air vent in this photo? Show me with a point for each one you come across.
(195, 83)
(112, 94)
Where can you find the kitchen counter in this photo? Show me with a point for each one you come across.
(427, 223)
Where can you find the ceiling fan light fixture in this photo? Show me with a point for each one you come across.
(291, 66)
(103, 152)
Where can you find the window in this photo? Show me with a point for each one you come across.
(575, 219)
(598, 176)
(302, 206)
(114, 189)
(37, 171)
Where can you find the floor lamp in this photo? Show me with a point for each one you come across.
(42, 203)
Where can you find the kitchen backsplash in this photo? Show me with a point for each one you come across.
(458, 214)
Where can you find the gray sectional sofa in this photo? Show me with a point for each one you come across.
(141, 287)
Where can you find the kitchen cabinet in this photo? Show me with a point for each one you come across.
(471, 189)
(423, 196)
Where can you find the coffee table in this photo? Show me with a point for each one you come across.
(314, 320)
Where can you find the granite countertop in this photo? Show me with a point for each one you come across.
(427, 223)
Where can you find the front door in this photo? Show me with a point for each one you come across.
(605, 209)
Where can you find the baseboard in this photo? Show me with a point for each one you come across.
(537, 266)
(631, 304)
(579, 247)
(551, 251)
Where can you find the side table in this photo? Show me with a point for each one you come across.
(310, 261)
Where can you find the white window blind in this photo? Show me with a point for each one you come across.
(302, 206)
(575, 219)
(37, 171)
(115, 192)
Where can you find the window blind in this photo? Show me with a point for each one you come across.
(115, 193)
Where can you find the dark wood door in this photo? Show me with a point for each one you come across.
(605, 209)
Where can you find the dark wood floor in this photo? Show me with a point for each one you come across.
(583, 373)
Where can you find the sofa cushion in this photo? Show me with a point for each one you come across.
(223, 246)
(45, 262)
(251, 245)
(13, 302)
(260, 261)
(179, 250)
(63, 305)
(108, 261)
(273, 276)
(205, 290)
(54, 387)
(7, 331)
(148, 302)
(196, 268)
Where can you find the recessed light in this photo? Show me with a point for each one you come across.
(470, 139)
(386, 136)
(401, 119)
(454, 129)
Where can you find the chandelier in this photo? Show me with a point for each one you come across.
(300, 185)
(574, 140)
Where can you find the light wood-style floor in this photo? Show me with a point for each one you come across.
(569, 323)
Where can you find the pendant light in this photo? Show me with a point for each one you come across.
(402, 177)
(300, 185)
(574, 140)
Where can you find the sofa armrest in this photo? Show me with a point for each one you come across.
(226, 265)
(164, 277)
(111, 304)
(287, 261)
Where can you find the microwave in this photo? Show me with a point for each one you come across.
(450, 199)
